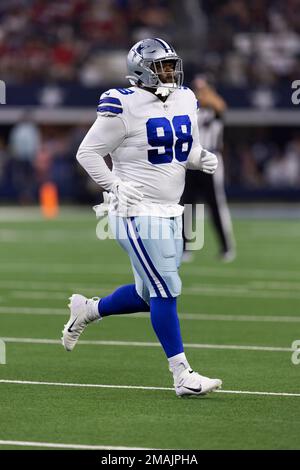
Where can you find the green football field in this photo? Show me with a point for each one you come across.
(114, 390)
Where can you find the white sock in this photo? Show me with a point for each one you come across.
(178, 363)
(93, 313)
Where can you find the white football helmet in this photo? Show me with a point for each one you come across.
(144, 64)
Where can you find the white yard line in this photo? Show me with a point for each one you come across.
(33, 214)
(240, 318)
(187, 270)
(50, 285)
(37, 295)
(148, 344)
(182, 316)
(277, 285)
(59, 268)
(138, 387)
(58, 445)
(238, 291)
(246, 392)
(34, 310)
(210, 290)
(225, 271)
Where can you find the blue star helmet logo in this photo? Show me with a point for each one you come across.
(141, 47)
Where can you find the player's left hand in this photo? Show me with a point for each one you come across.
(128, 193)
(208, 162)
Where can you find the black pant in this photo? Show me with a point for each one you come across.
(209, 189)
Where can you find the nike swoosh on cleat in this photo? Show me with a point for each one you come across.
(194, 389)
(69, 329)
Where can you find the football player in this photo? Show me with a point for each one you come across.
(150, 131)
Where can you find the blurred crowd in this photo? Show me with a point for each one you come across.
(241, 42)
(72, 40)
(33, 155)
(263, 163)
(253, 42)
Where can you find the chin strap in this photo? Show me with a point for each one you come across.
(165, 90)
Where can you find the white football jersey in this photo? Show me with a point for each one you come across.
(149, 142)
(158, 137)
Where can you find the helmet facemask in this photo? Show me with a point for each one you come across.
(172, 78)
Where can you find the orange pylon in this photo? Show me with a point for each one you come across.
(49, 200)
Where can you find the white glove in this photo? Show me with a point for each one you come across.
(208, 162)
(127, 192)
(102, 209)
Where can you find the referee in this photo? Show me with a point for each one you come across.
(202, 187)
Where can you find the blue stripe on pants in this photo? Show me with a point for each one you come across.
(164, 285)
(141, 261)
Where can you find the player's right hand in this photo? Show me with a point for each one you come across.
(128, 192)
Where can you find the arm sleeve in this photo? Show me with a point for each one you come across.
(105, 135)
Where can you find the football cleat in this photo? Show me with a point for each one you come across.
(228, 256)
(83, 312)
(189, 382)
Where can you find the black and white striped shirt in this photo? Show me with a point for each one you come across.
(211, 128)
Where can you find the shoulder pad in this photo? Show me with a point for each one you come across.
(193, 96)
(124, 91)
(187, 90)
(111, 101)
(109, 104)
